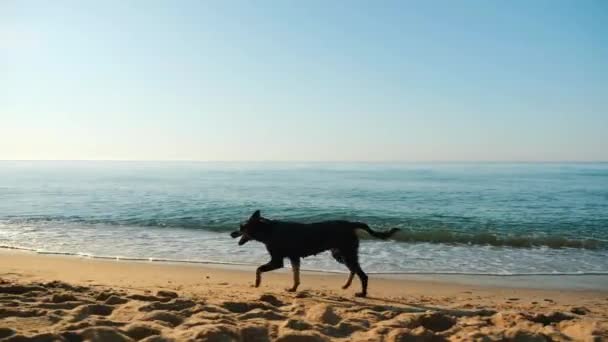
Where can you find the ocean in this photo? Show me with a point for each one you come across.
(455, 218)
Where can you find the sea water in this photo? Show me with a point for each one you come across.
(455, 218)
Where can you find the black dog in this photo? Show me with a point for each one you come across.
(298, 240)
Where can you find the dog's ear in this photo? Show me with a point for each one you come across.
(256, 216)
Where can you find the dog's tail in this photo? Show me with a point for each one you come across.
(380, 235)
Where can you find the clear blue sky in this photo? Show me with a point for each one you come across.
(307, 80)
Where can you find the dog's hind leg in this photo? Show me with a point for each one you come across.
(348, 281)
(352, 263)
(295, 267)
(336, 254)
(274, 264)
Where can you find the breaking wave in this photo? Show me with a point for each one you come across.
(421, 233)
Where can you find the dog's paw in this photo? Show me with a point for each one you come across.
(290, 289)
(344, 287)
(361, 294)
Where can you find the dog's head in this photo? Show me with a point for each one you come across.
(256, 228)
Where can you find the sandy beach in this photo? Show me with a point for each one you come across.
(59, 298)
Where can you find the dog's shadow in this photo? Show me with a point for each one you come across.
(379, 304)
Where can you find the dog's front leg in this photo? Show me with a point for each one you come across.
(274, 264)
(295, 267)
(348, 281)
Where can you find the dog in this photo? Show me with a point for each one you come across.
(294, 241)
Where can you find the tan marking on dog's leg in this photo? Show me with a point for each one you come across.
(296, 277)
(348, 281)
(258, 278)
(267, 267)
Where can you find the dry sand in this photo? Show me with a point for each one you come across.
(54, 298)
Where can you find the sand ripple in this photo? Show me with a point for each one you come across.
(58, 311)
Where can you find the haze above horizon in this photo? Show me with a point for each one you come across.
(314, 81)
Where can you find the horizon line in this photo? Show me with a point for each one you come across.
(565, 161)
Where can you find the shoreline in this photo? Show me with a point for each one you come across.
(570, 281)
(391, 284)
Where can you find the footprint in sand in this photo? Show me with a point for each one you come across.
(6, 332)
(263, 314)
(87, 310)
(165, 317)
(296, 336)
(257, 333)
(580, 310)
(437, 321)
(173, 305)
(297, 324)
(242, 307)
(167, 294)
(115, 300)
(212, 332)
(64, 305)
(21, 289)
(103, 334)
(546, 319)
(272, 300)
(62, 297)
(141, 330)
(323, 313)
(148, 298)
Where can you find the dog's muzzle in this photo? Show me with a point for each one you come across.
(244, 237)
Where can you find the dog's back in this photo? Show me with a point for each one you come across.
(292, 239)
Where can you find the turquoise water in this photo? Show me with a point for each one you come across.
(477, 218)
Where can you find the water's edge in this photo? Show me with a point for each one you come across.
(316, 270)
(592, 281)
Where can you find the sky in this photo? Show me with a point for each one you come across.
(307, 81)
